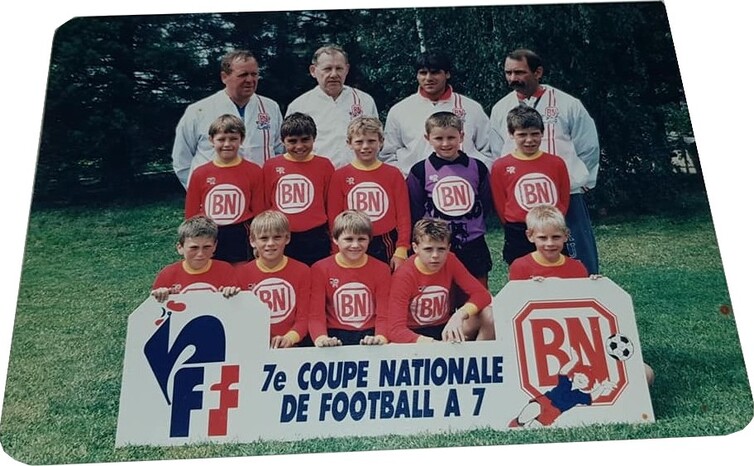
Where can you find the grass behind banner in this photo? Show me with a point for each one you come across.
(86, 269)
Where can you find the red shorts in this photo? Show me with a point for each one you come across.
(549, 412)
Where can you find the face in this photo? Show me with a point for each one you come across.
(241, 82)
(433, 82)
(580, 381)
(520, 77)
(352, 246)
(446, 142)
(432, 254)
(197, 251)
(299, 147)
(270, 245)
(527, 140)
(330, 73)
(366, 146)
(549, 241)
(226, 145)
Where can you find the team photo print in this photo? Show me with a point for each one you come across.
(339, 231)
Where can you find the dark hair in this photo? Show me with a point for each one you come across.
(522, 117)
(433, 61)
(532, 59)
(298, 124)
(443, 120)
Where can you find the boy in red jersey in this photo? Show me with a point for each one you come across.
(280, 282)
(296, 184)
(350, 289)
(375, 188)
(526, 178)
(419, 308)
(197, 241)
(228, 189)
(546, 229)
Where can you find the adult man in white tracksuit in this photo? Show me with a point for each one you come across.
(405, 143)
(332, 105)
(261, 116)
(570, 133)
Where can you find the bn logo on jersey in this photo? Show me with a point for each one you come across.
(224, 204)
(353, 304)
(278, 295)
(369, 198)
(430, 306)
(453, 196)
(533, 189)
(294, 194)
(186, 382)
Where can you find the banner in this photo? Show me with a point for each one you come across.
(198, 368)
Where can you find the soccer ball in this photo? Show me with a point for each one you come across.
(619, 347)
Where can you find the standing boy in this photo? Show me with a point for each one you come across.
(280, 282)
(377, 189)
(296, 185)
(197, 240)
(350, 289)
(452, 186)
(420, 293)
(228, 190)
(525, 178)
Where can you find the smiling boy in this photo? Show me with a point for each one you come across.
(375, 188)
(296, 184)
(350, 289)
(452, 186)
(525, 178)
(228, 190)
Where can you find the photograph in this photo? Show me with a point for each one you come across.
(548, 179)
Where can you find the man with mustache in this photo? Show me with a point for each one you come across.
(332, 104)
(239, 72)
(570, 133)
(405, 142)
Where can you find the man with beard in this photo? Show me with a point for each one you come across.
(405, 135)
(332, 104)
(239, 72)
(569, 133)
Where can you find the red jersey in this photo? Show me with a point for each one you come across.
(180, 279)
(349, 298)
(285, 290)
(228, 194)
(529, 266)
(419, 299)
(519, 183)
(298, 189)
(378, 191)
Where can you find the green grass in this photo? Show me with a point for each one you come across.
(86, 269)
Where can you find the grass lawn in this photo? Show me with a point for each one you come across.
(61, 398)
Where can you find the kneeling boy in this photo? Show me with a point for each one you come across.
(274, 271)
(349, 289)
(419, 297)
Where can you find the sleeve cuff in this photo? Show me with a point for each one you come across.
(401, 252)
(470, 309)
(292, 336)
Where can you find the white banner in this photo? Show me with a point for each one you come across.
(198, 369)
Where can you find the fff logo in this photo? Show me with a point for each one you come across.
(204, 337)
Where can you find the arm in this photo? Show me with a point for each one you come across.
(574, 358)
(193, 205)
(257, 192)
(481, 138)
(400, 298)
(485, 190)
(585, 141)
(382, 298)
(564, 187)
(184, 147)
(336, 198)
(302, 288)
(403, 221)
(497, 187)
(317, 318)
(276, 121)
(393, 140)
(416, 194)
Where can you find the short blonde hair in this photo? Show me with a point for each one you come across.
(269, 221)
(544, 215)
(365, 124)
(353, 221)
(443, 120)
(227, 124)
